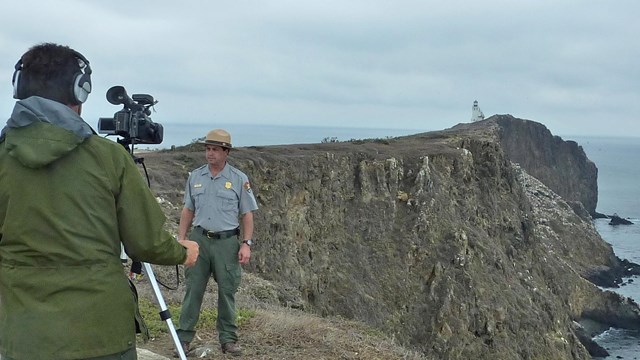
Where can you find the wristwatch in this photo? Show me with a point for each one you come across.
(248, 242)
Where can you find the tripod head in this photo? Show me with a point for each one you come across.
(130, 146)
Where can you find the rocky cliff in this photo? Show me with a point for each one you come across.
(561, 165)
(439, 239)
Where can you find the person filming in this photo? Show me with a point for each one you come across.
(69, 200)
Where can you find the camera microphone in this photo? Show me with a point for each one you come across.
(117, 95)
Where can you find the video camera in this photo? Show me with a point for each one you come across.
(132, 123)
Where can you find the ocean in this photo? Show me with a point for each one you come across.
(618, 165)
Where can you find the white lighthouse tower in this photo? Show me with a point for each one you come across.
(476, 113)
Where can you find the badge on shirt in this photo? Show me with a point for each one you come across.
(247, 186)
(227, 185)
(197, 185)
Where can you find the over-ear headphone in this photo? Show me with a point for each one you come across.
(80, 87)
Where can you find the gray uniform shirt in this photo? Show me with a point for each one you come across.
(218, 201)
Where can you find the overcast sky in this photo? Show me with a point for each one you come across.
(571, 65)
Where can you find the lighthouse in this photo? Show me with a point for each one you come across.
(476, 113)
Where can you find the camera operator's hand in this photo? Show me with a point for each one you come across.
(192, 252)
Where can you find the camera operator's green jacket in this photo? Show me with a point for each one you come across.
(68, 200)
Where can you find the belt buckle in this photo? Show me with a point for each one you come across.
(211, 234)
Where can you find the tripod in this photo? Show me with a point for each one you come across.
(164, 313)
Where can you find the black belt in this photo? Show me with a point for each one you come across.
(219, 234)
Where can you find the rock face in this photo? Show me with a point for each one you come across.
(438, 239)
(617, 220)
(560, 165)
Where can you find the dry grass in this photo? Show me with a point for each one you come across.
(291, 334)
(268, 331)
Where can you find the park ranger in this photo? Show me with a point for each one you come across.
(219, 204)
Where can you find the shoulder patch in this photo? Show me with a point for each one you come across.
(247, 186)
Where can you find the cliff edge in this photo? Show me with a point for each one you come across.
(445, 240)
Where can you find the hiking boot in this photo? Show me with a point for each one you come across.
(185, 349)
(231, 348)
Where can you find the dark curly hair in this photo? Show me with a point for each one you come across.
(48, 70)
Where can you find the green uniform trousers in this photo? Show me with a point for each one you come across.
(218, 257)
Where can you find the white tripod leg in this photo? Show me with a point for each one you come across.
(164, 313)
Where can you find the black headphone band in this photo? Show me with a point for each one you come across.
(86, 68)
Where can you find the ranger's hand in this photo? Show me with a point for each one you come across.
(192, 252)
(244, 255)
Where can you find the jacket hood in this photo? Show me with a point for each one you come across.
(41, 131)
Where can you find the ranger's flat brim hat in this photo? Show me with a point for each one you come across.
(218, 137)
